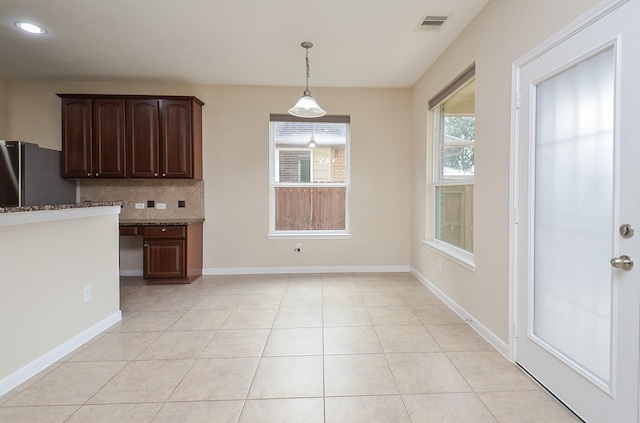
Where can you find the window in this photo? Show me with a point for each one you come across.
(454, 147)
(309, 176)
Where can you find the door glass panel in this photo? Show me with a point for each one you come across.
(573, 221)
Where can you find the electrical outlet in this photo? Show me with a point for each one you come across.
(151, 204)
(161, 206)
(86, 294)
(139, 205)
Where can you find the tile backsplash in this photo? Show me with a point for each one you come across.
(132, 191)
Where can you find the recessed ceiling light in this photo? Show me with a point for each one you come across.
(29, 27)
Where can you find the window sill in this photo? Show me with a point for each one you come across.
(457, 255)
(302, 235)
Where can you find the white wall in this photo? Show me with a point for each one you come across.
(235, 149)
(44, 268)
(500, 34)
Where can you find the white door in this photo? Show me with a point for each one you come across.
(577, 182)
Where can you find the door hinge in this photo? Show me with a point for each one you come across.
(517, 101)
(516, 215)
(515, 329)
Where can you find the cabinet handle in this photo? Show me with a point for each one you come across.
(97, 174)
(88, 174)
(145, 245)
(155, 174)
(164, 229)
(164, 174)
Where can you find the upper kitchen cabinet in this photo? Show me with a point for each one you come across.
(143, 137)
(177, 150)
(93, 138)
(108, 158)
(76, 137)
(143, 140)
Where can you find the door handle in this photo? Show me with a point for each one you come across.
(622, 262)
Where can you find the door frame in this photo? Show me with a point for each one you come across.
(590, 17)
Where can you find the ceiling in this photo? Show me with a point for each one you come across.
(357, 43)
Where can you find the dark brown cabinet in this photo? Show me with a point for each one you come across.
(77, 138)
(108, 138)
(93, 137)
(131, 136)
(176, 150)
(143, 139)
(164, 259)
(172, 253)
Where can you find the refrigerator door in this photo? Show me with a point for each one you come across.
(10, 173)
(42, 181)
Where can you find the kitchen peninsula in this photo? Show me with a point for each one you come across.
(60, 283)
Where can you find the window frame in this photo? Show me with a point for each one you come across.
(453, 252)
(273, 167)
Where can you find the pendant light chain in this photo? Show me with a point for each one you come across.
(307, 106)
(306, 91)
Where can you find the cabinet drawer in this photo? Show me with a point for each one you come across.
(130, 230)
(164, 232)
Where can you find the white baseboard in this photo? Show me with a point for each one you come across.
(218, 271)
(36, 366)
(305, 269)
(497, 343)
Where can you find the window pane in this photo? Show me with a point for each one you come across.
(574, 190)
(294, 166)
(454, 215)
(457, 135)
(310, 208)
(323, 143)
(309, 174)
(458, 161)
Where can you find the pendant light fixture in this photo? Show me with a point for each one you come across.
(312, 140)
(307, 106)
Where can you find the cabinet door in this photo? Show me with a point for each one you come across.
(143, 140)
(76, 138)
(164, 259)
(176, 157)
(108, 138)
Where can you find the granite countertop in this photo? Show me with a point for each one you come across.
(59, 207)
(161, 222)
(123, 222)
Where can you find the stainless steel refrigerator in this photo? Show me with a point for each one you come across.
(31, 176)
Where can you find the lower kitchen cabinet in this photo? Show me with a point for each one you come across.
(172, 253)
(164, 258)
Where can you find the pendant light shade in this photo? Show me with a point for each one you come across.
(307, 106)
(312, 140)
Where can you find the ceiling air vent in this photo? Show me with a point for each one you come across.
(432, 22)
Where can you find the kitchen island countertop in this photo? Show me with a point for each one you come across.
(59, 206)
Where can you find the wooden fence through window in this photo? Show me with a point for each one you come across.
(310, 208)
(456, 216)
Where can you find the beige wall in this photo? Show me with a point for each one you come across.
(50, 263)
(235, 148)
(501, 33)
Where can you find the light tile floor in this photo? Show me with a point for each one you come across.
(284, 348)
